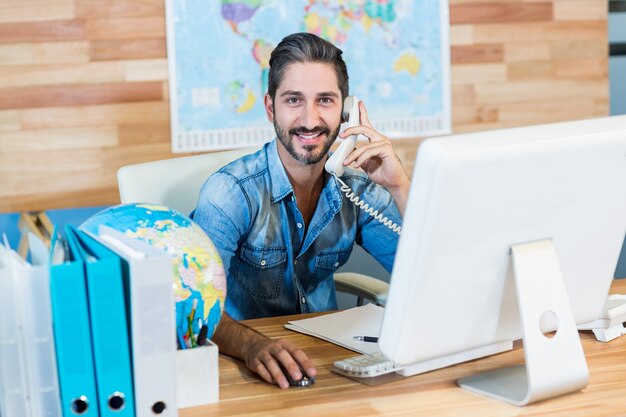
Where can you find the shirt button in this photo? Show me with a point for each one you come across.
(299, 225)
(303, 300)
(293, 198)
(263, 262)
(295, 262)
(336, 264)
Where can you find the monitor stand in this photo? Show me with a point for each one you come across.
(555, 364)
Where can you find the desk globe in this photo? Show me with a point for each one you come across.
(198, 269)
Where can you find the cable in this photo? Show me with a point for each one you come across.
(366, 208)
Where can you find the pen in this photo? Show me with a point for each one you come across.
(202, 336)
(366, 339)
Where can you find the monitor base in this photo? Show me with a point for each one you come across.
(555, 363)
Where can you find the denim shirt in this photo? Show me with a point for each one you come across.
(273, 267)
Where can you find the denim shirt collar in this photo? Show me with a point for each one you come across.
(280, 187)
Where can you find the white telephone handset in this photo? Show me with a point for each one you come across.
(334, 165)
(352, 116)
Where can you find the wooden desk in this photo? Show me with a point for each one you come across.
(431, 394)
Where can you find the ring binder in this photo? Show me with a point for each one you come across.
(72, 335)
(109, 326)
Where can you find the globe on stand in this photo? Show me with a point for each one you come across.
(199, 278)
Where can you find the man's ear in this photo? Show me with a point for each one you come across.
(269, 107)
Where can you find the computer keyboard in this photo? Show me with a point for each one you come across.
(364, 366)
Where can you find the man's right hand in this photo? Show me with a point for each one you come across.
(262, 355)
(265, 357)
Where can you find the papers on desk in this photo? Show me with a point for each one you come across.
(341, 327)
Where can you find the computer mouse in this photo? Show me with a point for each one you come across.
(305, 381)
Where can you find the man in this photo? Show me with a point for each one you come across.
(281, 223)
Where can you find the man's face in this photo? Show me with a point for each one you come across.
(306, 111)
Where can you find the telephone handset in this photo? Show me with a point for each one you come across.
(334, 165)
(352, 116)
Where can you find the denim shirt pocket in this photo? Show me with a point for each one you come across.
(261, 270)
(326, 263)
(331, 260)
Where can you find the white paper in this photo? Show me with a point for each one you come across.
(341, 327)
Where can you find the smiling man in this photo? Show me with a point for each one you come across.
(281, 223)
(314, 141)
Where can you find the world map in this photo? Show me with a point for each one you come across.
(396, 52)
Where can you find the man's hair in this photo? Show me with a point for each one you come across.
(305, 47)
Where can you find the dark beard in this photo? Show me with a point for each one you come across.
(308, 158)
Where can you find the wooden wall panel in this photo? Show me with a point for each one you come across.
(84, 85)
(79, 94)
(36, 10)
(31, 54)
(90, 9)
(106, 50)
(499, 11)
(476, 54)
(56, 30)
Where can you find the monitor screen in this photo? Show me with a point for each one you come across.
(476, 196)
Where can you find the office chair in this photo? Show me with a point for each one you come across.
(176, 183)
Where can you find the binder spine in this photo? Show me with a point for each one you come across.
(13, 380)
(147, 276)
(73, 340)
(39, 342)
(153, 338)
(110, 338)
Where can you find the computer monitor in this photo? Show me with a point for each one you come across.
(508, 234)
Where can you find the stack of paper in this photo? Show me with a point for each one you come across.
(341, 327)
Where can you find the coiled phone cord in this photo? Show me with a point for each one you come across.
(366, 208)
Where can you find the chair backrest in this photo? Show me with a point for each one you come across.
(175, 182)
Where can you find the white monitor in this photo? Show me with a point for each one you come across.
(531, 218)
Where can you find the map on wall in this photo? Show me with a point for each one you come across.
(397, 53)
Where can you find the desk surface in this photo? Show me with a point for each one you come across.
(433, 393)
